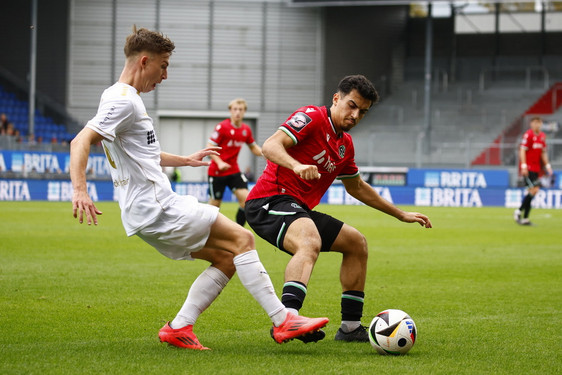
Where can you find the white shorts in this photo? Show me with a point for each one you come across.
(181, 229)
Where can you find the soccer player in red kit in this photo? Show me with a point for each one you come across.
(304, 156)
(532, 158)
(231, 134)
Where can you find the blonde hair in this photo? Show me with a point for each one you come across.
(238, 101)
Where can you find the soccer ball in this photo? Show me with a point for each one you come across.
(392, 332)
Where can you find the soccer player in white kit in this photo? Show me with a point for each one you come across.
(179, 227)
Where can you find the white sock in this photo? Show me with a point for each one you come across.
(293, 311)
(349, 325)
(204, 290)
(255, 279)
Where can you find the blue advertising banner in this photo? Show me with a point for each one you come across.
(59, 162)
(451, 197)
(49, 162)
(61, 190)
(458, 178)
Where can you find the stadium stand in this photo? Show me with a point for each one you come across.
(46, 129)
(464, 121)
(547, 104)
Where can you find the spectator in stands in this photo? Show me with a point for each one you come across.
(533, 159)
(17, 136)
(31, 140)
(10, 129)
(3, 123)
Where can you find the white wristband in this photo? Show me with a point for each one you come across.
(548, 166)
(523, 165)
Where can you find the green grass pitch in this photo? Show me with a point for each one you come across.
(486, 296)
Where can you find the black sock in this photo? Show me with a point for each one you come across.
(352, 305)
(293, 296)
(241, 216)
(526, 205)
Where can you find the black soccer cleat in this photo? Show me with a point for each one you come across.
(312, 336)
(359, 334)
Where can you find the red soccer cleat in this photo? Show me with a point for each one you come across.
(295, 326)
(181, 337)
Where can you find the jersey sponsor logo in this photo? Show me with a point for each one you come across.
(233, 143)
(118, 183)
(299, 121)
(325, 162)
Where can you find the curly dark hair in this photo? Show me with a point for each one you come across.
(144, 40)
(360, 83)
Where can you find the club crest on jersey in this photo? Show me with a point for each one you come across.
(342, 151)
(299, 121)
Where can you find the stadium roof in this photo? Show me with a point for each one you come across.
(391, 2)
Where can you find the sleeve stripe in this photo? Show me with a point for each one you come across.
(345, 176)
(286, 131)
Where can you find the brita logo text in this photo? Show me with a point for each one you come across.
(455, 179)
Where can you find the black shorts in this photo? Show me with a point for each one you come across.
(217, 185)
(532, 180)
(271, 223)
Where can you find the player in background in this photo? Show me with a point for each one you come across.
(304, 156)
(179, 227)
(532, 158)
(224, 171)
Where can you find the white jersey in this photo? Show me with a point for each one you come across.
(133, 153)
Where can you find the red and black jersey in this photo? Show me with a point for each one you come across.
(231, 138)
(315, 143)
(534, 145)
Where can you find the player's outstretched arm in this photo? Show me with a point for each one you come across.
(416, 217)
(193, 160)
(363, 192)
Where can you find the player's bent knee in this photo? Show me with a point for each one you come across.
(245, 240)
(353, 243)
(362, 247)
